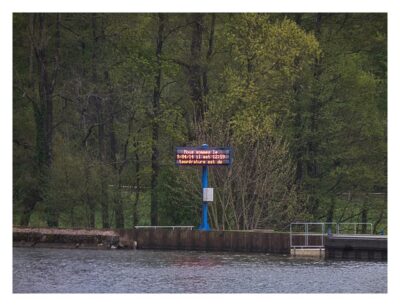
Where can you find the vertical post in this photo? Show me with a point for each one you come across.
(204, 182)
(306, 238)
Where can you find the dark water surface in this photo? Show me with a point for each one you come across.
(106, 271)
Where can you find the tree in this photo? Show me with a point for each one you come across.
(245, 114)
(44, 63)
(102, 100)
(341, 106)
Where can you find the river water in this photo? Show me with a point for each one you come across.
(144, 271)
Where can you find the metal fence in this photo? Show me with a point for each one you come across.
(190, 227)
(353, 228)
(311, 234)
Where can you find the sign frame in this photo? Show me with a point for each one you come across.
(205, 149)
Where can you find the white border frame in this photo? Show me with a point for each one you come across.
(7, 7)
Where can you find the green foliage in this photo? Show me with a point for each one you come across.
(301, 98)
(177, 205)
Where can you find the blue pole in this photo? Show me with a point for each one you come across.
(204, 182)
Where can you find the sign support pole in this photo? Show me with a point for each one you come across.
(204, 181)
(204, 156)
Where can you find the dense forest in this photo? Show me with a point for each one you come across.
(100, 101)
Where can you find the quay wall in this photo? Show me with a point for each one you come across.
(155, 239)
(65, 238)
(229, 241)
(364, 248)
(336, 247)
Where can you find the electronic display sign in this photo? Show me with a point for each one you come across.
(192, 156)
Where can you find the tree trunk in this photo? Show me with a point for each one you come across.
(364, 215)
(313, 141)
(378, 220)
(137, 193)
(43, 112)
(209, 53)
(155, 154)
(28, 204)
(105, 219)
(119, 209)
(195, 71)
(101, 130)
(331, 210)
(46, 117)
(88, 199)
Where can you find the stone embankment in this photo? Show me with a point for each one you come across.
(65, 238)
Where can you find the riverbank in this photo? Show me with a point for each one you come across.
(65, 238)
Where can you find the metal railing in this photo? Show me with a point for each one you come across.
(319, 230)
(354, 226)
(307, 233)
(170, 227)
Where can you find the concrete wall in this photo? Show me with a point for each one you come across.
(371, 248)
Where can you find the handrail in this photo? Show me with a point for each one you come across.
(307, 234)
(172, 226)
(355, 224)
(324, 226)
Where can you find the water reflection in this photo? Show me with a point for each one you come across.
(184, 260)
